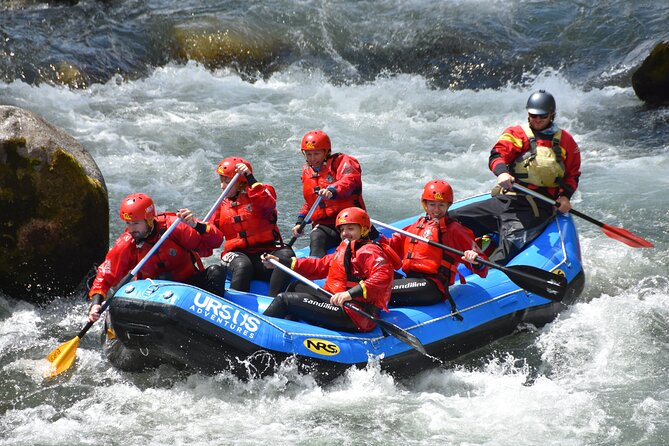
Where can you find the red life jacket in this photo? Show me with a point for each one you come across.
(313, 181)
(171, 261)
(245, 229)
(342, 276)
(338, 278)
(427, 259)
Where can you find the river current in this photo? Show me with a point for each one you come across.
(415, 90)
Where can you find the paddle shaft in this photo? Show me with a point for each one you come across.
(538, 281)
(393, 329)
(433, 243)
(220, 199)
(128, 277)
(620, 234)
(62, 357)
(548, 200)
(306, 220)
(317, 287)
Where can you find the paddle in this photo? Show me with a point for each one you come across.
(535, 280)
(393, 329)
(62, 357)
(221, 197)
(306, 220)
(616, 233)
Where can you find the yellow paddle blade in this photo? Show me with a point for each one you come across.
(62, 357)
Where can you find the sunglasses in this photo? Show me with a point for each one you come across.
(539, 116)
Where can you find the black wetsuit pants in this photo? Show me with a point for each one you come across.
(512, 216)
(212, 279)
(312, 307)
(414, 292)
(322, 239)
(242, 268)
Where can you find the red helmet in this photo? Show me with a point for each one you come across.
(354, 215)
(137, 207)
(437, 190)
(226, 167)
(316, 140)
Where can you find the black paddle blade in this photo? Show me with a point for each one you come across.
(402, 335)
(538, 281)
(391, 328)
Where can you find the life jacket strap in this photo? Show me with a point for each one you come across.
(454, 309)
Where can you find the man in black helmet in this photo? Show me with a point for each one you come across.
(538, 155)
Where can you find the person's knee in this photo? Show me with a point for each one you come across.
(322, 238)
(317, 241)
(241, 273)
(278, 307)
(216, 272)
(216, 275)
(241, 265)
(284, 253)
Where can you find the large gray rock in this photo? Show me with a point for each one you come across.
(54, 211)
(651, 80)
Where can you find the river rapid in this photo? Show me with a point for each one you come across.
(415, 90)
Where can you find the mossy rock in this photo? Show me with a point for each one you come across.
(651, 80)
(54, 211)
(216, 44)
(69, 75)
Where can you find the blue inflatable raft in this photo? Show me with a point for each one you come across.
(152, 322)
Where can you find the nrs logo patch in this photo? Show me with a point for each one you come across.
(322, 347)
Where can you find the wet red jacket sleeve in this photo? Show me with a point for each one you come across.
(572, 164)
(192, 240)
(120, 259)
(514, 142)
(313, 268)
(370, 261)
(462, 238)
(396, 242)
(263, 199)
(348, 179)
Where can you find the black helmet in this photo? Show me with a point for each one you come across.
(540, 103)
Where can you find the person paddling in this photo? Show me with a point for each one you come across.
(337, 178)
(248, 220)
(430, 270)
(178, 258)
(538, 155)
(360, 271)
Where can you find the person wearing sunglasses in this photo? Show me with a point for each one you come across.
(538, 155)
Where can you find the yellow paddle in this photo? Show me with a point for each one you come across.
(62, 357)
